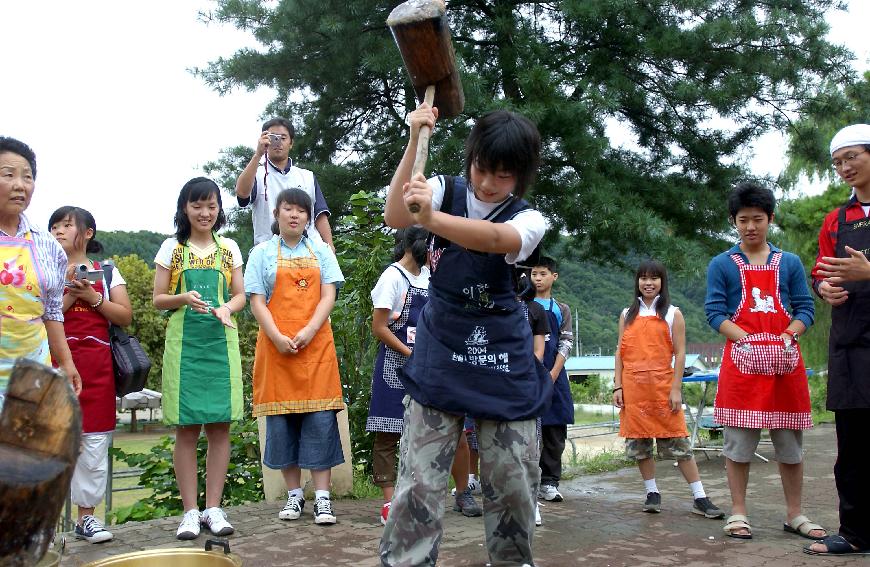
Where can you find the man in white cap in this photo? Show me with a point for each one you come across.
(842, 278)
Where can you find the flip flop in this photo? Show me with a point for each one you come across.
(736, 522)
(837, 545)
(802, 526)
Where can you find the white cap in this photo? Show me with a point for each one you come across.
(854, 135)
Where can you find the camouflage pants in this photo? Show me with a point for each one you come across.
(509, 472)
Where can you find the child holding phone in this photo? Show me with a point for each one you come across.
(199, 280)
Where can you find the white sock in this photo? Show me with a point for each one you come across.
(297, 492)
(321, 494)
(650, 485)
(697, 489)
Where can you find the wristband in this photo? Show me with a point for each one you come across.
(617, 389)
(98, 303)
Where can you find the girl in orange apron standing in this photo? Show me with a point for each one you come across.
(647, 387)
(88, 311)
(292, 280)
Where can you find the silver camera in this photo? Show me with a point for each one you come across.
(275, 138)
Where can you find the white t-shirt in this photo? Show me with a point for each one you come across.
(117, 279)
(650, 311)
(529, 223)
(392, 289)
(164, 255)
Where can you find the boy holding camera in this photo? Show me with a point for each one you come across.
(262, 180)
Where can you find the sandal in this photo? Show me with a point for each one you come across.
(837, 545)
(802, 526)
(737, 522)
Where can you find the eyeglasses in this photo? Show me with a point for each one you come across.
(838, 164)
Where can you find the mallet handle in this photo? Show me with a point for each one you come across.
(422, 145)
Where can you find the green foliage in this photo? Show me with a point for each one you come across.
(142, 243)
(819, 397)
(244, 481)
(149, 326)
(364, 247)
(592, 390)
(838, 104)
(693, 83)
(597, 294)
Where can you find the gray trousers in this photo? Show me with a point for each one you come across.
(509, 454)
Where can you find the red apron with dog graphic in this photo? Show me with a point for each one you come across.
(762, 384)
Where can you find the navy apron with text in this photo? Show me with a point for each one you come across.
(473, 353)
(849, 343)
(386, 412)
(562, 410)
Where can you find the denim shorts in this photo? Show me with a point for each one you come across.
(305, 440)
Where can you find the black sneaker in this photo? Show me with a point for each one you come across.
(466, 504)
(323, 513)
(92, 530)
(653, 503)
(705, 508)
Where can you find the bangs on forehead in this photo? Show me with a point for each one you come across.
(202, 191)
(651, 269)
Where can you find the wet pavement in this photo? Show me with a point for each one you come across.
(599, 523)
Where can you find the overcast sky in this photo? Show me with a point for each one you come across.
(102, 92)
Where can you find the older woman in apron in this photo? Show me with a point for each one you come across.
(32, 273)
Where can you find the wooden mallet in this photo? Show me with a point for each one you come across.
(423, 37)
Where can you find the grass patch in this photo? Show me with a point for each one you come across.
(601, 462)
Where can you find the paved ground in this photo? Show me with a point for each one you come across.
(599, 524)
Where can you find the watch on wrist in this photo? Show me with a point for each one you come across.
(794, 334)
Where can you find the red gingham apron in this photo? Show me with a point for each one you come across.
(753, 391)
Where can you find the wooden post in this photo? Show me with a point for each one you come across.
(40, 436)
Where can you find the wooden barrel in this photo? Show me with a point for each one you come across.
(40, 436)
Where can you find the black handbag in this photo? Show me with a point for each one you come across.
(129, 360)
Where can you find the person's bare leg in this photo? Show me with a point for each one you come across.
(647, 468)
(388, 492)
(184, 459)
(85, 512)
(321, 479)
(738, 480)
(689, 468)
(461, 465)
(292, 477)
(792, 476)
(216, 462)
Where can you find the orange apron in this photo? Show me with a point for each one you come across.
(646, 351)
(307, 381)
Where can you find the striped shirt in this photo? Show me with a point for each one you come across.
(52, 259)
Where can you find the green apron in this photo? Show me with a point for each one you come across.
(202, 368)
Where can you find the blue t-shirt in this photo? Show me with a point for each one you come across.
(724, 288)
(263, 264)
(551, 305)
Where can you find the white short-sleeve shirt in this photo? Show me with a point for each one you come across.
(392, 289)
(529, 223)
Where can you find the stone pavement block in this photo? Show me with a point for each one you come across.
(599, 524)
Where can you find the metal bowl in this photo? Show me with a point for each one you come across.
(175, 557)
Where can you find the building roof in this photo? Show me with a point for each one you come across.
(592, 364)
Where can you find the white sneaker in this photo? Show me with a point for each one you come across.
(92, 530)
(215, 520)
(473, 485)
(549, 493)
(293, 509)
(538, 520)
(323, 513)
(189, 528)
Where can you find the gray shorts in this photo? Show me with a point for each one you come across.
(741, 443)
